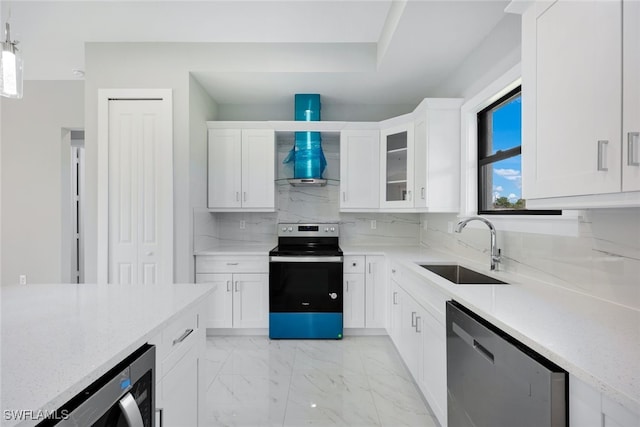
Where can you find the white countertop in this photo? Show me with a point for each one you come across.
(238, 249)
(595, 340)
(58, 339)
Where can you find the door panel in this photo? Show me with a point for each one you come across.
(250, 300)
(258, 168)
(224, 168)
(140, 196)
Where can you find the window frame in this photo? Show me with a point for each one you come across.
(477, 97)
(483, 141)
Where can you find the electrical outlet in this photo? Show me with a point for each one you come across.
(449, 227)
(243, 224)
(23, 279)
(374, 225)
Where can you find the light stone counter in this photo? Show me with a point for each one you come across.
(595, 340)
(238, 248)
(58, 339)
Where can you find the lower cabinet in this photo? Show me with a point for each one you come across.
(353, 301)
(180, 356)
(419, 333)
(589, 408)
(238, 301)
(365, 291)
(241, 290)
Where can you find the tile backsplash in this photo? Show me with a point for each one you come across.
(299, 205)
(603, 260)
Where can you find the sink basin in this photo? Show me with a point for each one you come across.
(461, 275)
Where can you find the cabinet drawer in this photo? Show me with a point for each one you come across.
(354, 264)
(177, 338)
(232, 264)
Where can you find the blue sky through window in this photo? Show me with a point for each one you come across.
(507, 174)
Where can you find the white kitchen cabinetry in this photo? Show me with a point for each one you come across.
(241, 295)
(359, 170)
(418, 331)
(241, 164)
(365, 291)
(437, 155)
(375, 291)
(353, 301)
(180, 352)
(396, 164)
(631, 96)
(573, 142)
(589, 408)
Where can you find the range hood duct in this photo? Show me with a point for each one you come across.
(306, 154)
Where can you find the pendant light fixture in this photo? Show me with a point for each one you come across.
(10, 67)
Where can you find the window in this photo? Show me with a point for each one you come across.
(500, 158)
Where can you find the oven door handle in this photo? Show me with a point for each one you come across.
(305, 259)
(130, 410)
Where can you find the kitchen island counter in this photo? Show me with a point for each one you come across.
(59, 338)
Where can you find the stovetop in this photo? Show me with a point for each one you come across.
(307, 239)
(302, 250)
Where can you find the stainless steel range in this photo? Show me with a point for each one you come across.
(305, 282)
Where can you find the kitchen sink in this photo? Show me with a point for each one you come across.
(461, 275)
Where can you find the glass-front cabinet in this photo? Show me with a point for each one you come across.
(397, 145)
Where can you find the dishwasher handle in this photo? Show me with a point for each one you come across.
(472, 342)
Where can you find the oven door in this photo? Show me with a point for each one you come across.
(305, 284)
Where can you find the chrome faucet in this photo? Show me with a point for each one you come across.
(496, 255)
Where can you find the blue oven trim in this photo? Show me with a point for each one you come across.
(305, 325)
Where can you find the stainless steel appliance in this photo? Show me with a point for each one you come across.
(124, 396)
(305, 282)
(494, 380)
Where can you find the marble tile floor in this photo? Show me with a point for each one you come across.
(357, 381)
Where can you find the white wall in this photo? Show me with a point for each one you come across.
(32, 159)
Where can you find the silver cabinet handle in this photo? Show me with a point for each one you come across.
(244, 196)
(347, 286)
(633, 139)
(369, 268)
(183, 337)
(233, 263)
(228, 284)
(395, 298)
(160, 411)
(236, 286)
(344, 196)
(418, 324)
(130, 410)
(602, 155)
(423, 193)
(413, 319)
(237, 196)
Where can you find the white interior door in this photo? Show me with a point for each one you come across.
(140, 192)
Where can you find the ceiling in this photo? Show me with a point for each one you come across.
(414, 45)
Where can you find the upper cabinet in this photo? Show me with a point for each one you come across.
(437, 155)
(580, 104)
(359, 170)
(241, 165)
(397, 166)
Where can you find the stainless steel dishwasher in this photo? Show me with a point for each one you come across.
(494, 380)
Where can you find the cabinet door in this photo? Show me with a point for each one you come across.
(220, 312)
(180, 392)
(395, 314)
(574, 147)
(250, 300)
(258, 168)
(631, 97)
(359, 169)
(353, 301)
(396, 161)
(375, 292)
(224, 170)
(432, 377)
(411, 341)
